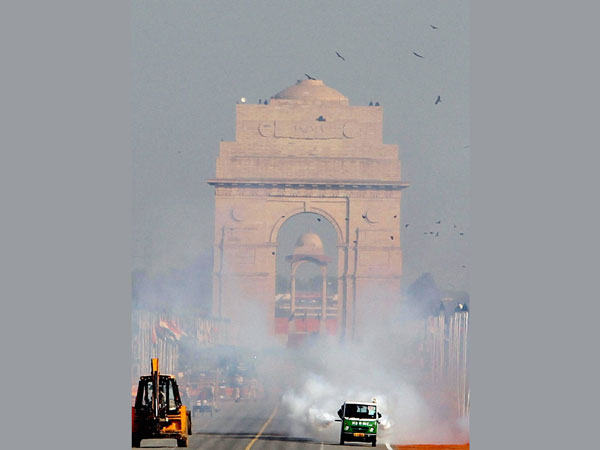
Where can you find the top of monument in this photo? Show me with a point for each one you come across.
(309, 91)
(309, 248)
(309, 244)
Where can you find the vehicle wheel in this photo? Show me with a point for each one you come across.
(182, 442)
(135, 441)
(374, 442)
(189, 417)
(342, 439)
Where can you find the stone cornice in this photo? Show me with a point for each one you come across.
(308, 184)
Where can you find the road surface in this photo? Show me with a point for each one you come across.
(256, 425)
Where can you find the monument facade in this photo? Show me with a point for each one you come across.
(307, 150)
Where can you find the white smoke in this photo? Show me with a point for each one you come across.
(315, 380)
(379, 367)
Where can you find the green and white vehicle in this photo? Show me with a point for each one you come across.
(359, 422)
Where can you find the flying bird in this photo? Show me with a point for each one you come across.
(438, 221)
(438, 100)
(318, 219)
(434, 27)
(437, 234)
(462, 234)
(309, 77)
(417, 55)
(340, 56)
(406, 226)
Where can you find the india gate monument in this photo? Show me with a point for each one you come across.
(307, 150)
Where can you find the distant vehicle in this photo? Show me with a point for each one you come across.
(158, 412)
(359, 422)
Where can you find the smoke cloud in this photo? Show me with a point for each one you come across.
(386, 361)
(326, 376)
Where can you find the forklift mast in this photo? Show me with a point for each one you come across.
(155, 391)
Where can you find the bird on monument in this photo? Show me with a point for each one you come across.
(406, 226)
(340, 56)
(462, 234)
(438, 221)
(438, 100)
(309, 77)
(417, 55)
(433, 26)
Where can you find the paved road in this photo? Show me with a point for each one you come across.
(253, 425)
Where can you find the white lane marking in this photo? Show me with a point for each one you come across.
(322, 447)
(387, 445)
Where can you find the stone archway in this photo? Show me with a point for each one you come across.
(308, 150)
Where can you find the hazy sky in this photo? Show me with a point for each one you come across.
(192, 60)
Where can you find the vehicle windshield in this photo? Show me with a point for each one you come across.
(361, 411)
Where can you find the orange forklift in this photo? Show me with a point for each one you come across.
(158, 412)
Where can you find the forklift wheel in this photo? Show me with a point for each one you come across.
(135, 441)
(182, 442)
(374, 442)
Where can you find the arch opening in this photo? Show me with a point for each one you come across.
(306, 298)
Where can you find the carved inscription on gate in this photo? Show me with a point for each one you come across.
(307, 130)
